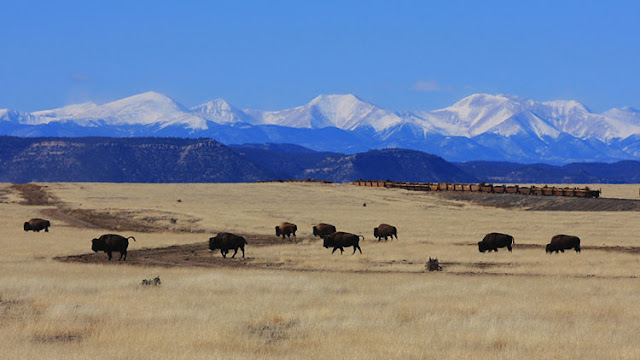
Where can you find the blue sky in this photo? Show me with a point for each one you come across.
(400, 55)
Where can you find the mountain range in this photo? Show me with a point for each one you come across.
(478, 127)
(176, 160)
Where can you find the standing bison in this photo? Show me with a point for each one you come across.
(323, 229)
(340, 240)
(286, 228)
(110, 243)
(562, 243)
(384, 231)
(225, 241)
(37, 225)
(493, 241)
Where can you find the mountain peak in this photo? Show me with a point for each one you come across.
(343, 98)
(221, 112)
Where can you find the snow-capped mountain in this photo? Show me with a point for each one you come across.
(221, 112)
(478, 127)
(345, 112)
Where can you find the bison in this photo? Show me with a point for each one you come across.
(110, 243)
(286, 228)
(225, 241)
(37, 225)
(385, 230)
(323, 229)
(493, 241)
(340, 240)
(562, 243)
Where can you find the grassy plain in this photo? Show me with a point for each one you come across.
(296, 300)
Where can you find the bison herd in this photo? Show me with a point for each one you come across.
(332, 238)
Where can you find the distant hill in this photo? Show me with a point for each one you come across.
(123, 160)
(391, 164)
(622, 172)
(204, 160)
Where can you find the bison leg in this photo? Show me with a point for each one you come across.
(242, 248)
(358, 246)
(224, 253)
(109, 255)
(46, 229)
(334, 250)
(577, 249)
(234, 254)
(509, 248)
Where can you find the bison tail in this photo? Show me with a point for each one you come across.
(245, 240)
(360, 236)
(131, 237)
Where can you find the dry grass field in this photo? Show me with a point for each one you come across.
(294, 299)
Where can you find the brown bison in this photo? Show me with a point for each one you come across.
(323, 229)
(286, 228)
(384, 231)
(340, 240)
(493, 241)
(225, 241)
(37, 225)
(562, 243)
(110, 243)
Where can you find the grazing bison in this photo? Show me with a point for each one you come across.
(493, 241)
(323, 229)
(562, 243)
(225, 241)
(286, 228)
(110, 243)
(37, 225)
(384, 231)
(340, 240)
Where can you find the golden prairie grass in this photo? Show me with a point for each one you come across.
(379, 305)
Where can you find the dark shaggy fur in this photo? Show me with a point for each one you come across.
(340, 240)
(384, 231)
(225, 241)
(110, 243)
(562, 243)
(37, 225)
(493, 241)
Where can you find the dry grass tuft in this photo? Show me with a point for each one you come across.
(273, 329)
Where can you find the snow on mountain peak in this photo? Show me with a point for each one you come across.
(221, 112)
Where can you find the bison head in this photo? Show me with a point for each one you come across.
(328, 242)
(482, 247)
(98, 245)
(549, 248)
(214, 243)
(26, 226)
(315, 231)
(278, 232)
(375, 232)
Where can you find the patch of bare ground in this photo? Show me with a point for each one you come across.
(191, 255)
(34, 194)
(199, 255)
(541, 203)
(145, 220)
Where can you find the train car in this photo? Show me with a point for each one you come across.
(498, 189)
(512, 189)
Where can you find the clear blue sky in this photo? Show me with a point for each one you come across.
(276, 54)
